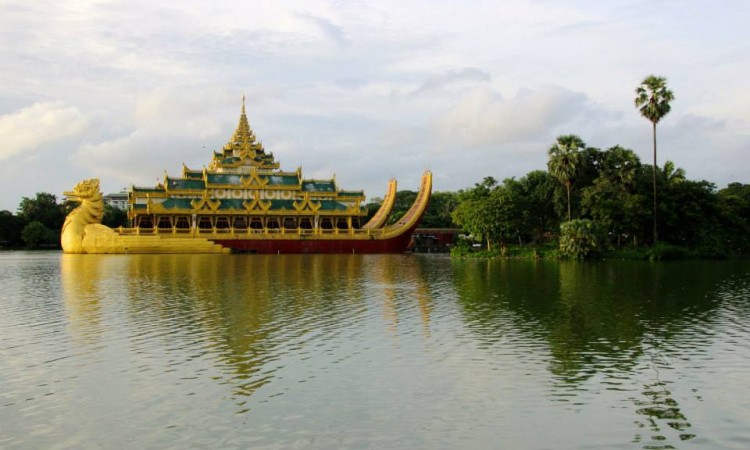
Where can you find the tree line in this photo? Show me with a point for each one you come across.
(604, 204)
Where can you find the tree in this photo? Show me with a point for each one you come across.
(613, 201)
(564, 159)
(35, 234)
(652, 100)
(673, 174)
(734, 203)
(489, 212)
(691, 215)
(438, 213)
(43, 208)
(114, 217)
(535, 197)
(10, 229)
(578, 239)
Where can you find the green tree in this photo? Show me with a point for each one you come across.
(114, 217)
(35, 235)
(489, 212)
(43, 208)
(673, 174)
(620, 164)
(734, 203)
(10, 229)
(564, 159)
(438, 213)
(578, 239)
(537, 193)
(691, 215)
(653, 101)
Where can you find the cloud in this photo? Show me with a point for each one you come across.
(453, 78)
(326, 27)
(483, 117)
(39, 126)
(167, 129)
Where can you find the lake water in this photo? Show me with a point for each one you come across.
(371, 351)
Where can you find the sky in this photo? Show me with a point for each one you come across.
(126, 91)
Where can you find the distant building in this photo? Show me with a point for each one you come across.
(118, 200)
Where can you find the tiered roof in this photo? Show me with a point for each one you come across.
(243, 163)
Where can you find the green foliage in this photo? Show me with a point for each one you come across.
(666, 252)
(43, 208)
(36, 235)
(653, 98)
(535, 198)
(690, 214)
(614, 200)
(114, 217)
(734, 204)
(672, 174)
(578, 239)
(564, 161)
(489, 212)
(10, 229)
(438, 213)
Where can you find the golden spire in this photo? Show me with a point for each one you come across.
(243, 134)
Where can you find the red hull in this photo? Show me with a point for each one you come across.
(398, 244)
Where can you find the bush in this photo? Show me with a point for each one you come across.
(666, 252)
(578, 239)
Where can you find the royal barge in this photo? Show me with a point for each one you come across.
(242, 202)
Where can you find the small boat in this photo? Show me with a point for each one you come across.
(242, 202)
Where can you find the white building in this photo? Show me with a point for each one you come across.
(118, 200)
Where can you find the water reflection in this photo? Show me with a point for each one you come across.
(249, 311)
(604, 325)
(81, 277)
(504, 341)
(400, 282)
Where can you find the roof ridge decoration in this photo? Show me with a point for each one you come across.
(253, 179)
(256, 204)
(307, 204)
(205, 202)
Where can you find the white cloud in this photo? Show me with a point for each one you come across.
(168, 128)
(483, 117)
(38, 127)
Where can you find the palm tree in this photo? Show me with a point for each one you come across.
(672, 173)
(564, 159)
(652, 100)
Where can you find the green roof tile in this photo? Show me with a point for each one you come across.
(182, 183)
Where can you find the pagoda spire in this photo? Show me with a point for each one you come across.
(243, 134)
